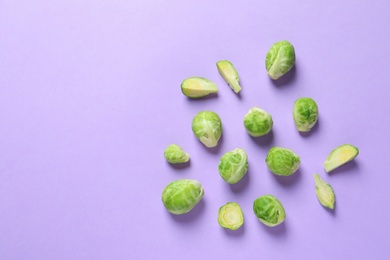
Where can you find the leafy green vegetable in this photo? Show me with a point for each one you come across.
(233, 165)
(207, 127)
(197, 87)
(280, 59)
(229, 74)
(282, 161)
(230, 216)
(269, 210)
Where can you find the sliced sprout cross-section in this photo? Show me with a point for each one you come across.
(325, 192)
(229, 74)
(340, 156)
(230, 216)
(197, 87)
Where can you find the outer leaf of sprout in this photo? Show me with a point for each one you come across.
(207, 127)
(175, 154)
(230, 216)
(197, 87)
(282, 161)
(280, 59)
(305, 114)
(269, 210)
(229, 74)
(181, 196)
(258, 122)
(233, 165)
(325, 192)
(340, 156)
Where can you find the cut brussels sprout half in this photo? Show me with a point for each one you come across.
(181, 196)
(340, 156)
(282, 161)
(325, 192)
(229, 74)
(305, 114)
(233, 165)
(175, 154)
(269, 210)
(258, 122)
(280, 59)
(230, 216)
(207, 127)
(197, 87)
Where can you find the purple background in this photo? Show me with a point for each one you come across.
(90, 97)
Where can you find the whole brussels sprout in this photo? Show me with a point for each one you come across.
(280, 59)
(229, 74)
(305, 114)
(175, 154)
(197, 87)
(207, 127)
(324, 192)
(233, 165)
(269, 210)
(230, 216)
(282, 161)
(181, 196)
(258, 122)
(340, 156)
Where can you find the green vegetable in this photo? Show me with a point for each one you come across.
(233, 165)
(207, 127)
(175, 154)
(282, 161)
(229, 74)
(269, 210)
(340, 156)
(305, 114)
(197, 87)
(280, 59)
(324, 191)
(181, 196)
(230, 216)
(258, 122)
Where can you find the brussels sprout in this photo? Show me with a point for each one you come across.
(324, 191)
(280, 59)
(207, 127)
(282, 161)
(175, 154)
(305, 114)
(258, 122)
(197, 87)
(181, 196)
(229, 74)
(233, 165)
(230, 216)
(340, 156)
(269, 210)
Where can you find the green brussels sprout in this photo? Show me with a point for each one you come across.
(258, 122)
(282, 161)
(197, 87)
(230, 216)
(280, 59)
(269, 210)
(207, 127)
(233, 165)
(305, 114)
(181, 196)
(229, 74)
(175, 154)
(340, 156)
(325, 192)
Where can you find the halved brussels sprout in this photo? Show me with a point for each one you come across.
(175, 154)
(197, 87)
(340, 156)
(258, 122)
(305, 114)
(181, 196)
(207, 127)
(269, 210)
(282, 161)
(230, 216)
(325, 192)
(229, 74)
(280, 59)
(233, 165)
